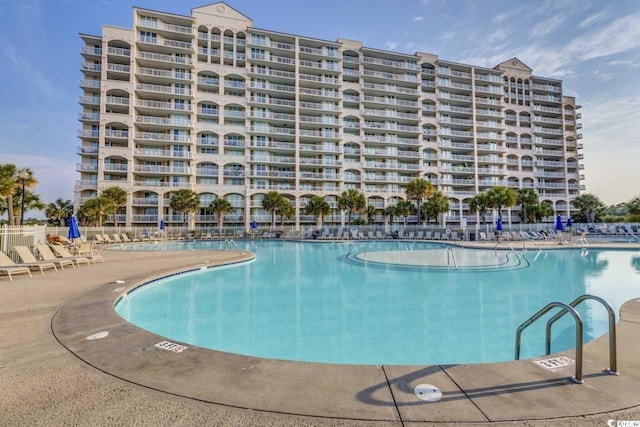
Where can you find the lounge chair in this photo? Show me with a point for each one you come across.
(582, 239)
(436, 236)
(370, 235)
(62, 252)
(428, 235)
(411, 235)
(420, 235)
(28, 260)
(47, 255)
(99, 239)
(116, 238)
(483, 236)
(8, 266)
(454, 236)
(86, 250)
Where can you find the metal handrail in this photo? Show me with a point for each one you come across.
(450, 255)
(524, 245)
(579, 336)
(355, 245)
(613, 364)
(510, 247)
(232, 243)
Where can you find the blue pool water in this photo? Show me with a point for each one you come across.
(304, 301)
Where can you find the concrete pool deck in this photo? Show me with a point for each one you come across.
(123, 379)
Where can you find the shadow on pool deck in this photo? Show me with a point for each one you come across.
(279, 392)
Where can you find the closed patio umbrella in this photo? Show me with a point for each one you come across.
(74, 231)
(559, 226)
(569, 223)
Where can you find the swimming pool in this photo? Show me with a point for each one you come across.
(304, 301)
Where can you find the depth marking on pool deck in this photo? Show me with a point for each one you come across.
(171, 346)
(555, 362)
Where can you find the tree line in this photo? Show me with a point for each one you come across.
(17, 195)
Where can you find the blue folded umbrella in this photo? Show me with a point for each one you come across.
(559, 226)
(499, 224)
(74, 231)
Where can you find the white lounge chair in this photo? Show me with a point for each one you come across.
(28, 260)
(62, 252)
(86, 250)
(47, 255)
(9, 267)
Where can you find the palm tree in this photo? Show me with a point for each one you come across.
(480, 203)
(29, 200)
(272, 203)
(94, 211)
(8, 173)
(24, 181)
(391, 211)
(351, 200)
(526, 199)
(404, 208)
(118, 198)
(542, 210)
(221, 207)
(501, 197)
(435, 205)
(59, 211)
(371, 213)
(286, 210)
(318, 207)
(590, 206)
(184, 201)
(418, 190)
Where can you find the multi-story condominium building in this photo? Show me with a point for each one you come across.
(210, 103)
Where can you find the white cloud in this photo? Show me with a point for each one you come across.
(610, 152)
(621, 35)
(547, 26)
(447, 36)
(500, 17)
(390, 45)
(417, 19)
(593, 19)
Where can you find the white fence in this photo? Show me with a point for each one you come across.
(28, 235)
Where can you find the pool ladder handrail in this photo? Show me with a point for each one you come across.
(524, 245)
(579, 334)
(613, 363)
(450, 255)
(510, 247)
(355, 245)
(231, 243)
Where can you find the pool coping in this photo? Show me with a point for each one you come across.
(490, 392)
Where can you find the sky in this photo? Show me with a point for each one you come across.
(593, 46)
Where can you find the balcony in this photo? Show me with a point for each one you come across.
(87, 167)
(167, 59)
(89, 117)
(116, 133)
(162, 74)
(115, 167)
(87, 151)
(161, 184)
(118, 51)
(91, 68)
(91, 133)
(89, 100)
(165, 90)
(93, 84)
(163, 137)
(145, 201)
(118, 68)
(144, 218)
(154, 169)
(163, 121)
(162, 154)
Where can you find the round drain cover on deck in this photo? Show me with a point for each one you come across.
(428, 392)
